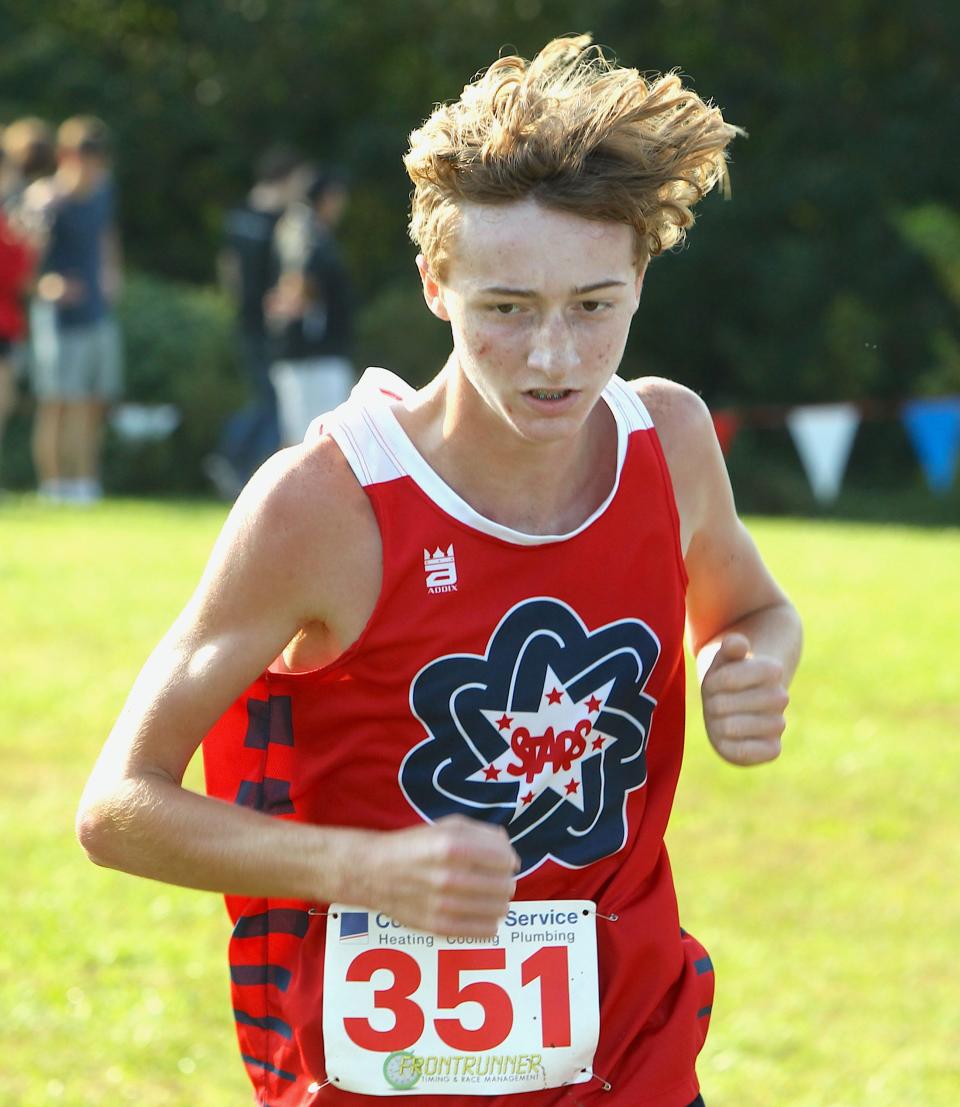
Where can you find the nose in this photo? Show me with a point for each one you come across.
(553, 349)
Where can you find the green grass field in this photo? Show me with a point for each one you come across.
(826, 886)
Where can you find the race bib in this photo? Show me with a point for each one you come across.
(410, 1013)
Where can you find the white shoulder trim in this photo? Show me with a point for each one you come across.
(378, 450)
(354, 428)
(633, 410)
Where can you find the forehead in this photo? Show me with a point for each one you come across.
(523, 244)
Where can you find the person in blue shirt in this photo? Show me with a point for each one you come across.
(75, 343)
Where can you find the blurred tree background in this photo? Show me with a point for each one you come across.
(831, 275)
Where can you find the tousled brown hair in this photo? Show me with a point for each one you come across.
(578, 134)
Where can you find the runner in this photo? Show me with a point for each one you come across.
(437, 653)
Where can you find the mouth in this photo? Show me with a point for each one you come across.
(549, 393)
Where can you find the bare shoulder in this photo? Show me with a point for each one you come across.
(685, 428)
(679, 414)
(303, 492)
(297, 528)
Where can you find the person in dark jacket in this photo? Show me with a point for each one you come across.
(311, 309)
(248, 270)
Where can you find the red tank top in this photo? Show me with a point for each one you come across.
(484, 645)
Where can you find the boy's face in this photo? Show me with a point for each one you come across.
(540, 304)
(87, 164)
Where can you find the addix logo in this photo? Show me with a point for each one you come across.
(546, 734)
(440, 570)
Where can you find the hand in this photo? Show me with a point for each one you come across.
(744, 699)
(63, 291)
(454, 877)
(286, 301)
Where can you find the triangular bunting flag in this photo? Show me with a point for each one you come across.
(726, 423)
(934, 429)
(823, 435)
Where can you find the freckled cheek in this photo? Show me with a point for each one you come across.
(607, 348)
(595, 352)
(484, 350)
(476, 342)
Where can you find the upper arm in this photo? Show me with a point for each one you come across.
(263, 581)
(728, 579)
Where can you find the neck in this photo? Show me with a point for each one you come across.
(532, 487)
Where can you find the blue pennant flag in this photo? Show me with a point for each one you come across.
(934, 429)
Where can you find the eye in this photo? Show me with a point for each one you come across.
(591, 307)
(506, 309)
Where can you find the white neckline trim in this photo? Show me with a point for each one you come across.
(378, 410)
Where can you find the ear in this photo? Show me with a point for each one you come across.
(432, 291)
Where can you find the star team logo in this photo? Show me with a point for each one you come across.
(546, 734)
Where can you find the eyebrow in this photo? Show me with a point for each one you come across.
(527, 293)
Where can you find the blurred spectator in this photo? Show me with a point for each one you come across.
(75, 343)
(29, 155)
(248, 270)
(311, 309)
(16, 267)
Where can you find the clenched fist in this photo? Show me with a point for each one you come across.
(454, 877)
(744, 699)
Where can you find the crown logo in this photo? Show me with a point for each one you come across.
(438, 556)
(440, 568)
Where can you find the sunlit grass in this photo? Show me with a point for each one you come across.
(113, 990)
(824, 885)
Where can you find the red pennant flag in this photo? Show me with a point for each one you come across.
(726, 423)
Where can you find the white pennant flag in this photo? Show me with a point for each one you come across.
(823, 435)
(145, 422)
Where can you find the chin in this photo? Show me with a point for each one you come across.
(549, 430)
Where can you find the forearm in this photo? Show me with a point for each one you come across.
(150, 826)
(452, 877)
(774, 631)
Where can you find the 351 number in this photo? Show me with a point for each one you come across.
(548, 965)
